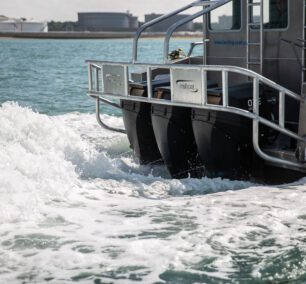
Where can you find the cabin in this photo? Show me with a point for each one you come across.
(270, 41)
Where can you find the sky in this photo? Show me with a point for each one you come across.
(66, 10)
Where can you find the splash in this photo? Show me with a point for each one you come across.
(76, 206)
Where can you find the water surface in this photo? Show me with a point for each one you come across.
(76, 207)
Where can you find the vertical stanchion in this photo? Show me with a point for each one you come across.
(126, 80)
(204, 84)
(89, 78)
(97, 79)
(171, 85)
(256, 96)
(149, 82)
(281, 109)
(224, 88)
(256, 112)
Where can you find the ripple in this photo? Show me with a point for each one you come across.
(33, 241)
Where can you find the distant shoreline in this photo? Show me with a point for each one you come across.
(90, 35)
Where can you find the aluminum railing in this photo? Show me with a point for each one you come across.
(114, 83)
(194, 44)
(207, 5)
(210, 6)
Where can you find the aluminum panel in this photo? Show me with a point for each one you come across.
(187, 85)
(114, 79)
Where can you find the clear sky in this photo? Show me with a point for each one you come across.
(66, 10)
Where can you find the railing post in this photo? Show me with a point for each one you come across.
(89, 78)
(97, 79)
(225, 88)
(255, 120)
(256, 96)
(204, 84)
(171, 84)
(149, 82)
(126, 80)
(281, 112)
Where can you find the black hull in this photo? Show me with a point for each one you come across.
(173, 132)
(224, 143)
(268, 174)
(199, 142)
(138, 125)
(183, 137)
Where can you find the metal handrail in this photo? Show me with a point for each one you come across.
(194, 44)
(155, 21)
(212, 6)
(220, 68)
(225, 70)
(214, 3)
(96, 69)
(98, 117)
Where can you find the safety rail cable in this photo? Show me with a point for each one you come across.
(203, 69)
(141, 29)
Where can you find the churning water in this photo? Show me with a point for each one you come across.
(77, 207)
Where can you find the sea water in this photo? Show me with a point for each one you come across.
(77, 207)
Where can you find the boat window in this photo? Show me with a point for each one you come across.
(275, 14)
(226, 17)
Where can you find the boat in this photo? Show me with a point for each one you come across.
(237, 111)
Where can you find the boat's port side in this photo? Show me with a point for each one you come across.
(138, 124)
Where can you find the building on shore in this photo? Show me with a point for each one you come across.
(164, 25)
(21, 25)
(103, 21)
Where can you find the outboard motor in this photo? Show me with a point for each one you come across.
(174, 136)
(138, 124)
(224, 140)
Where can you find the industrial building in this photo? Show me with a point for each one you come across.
(164, 25)
(21, 25)
(103, 21)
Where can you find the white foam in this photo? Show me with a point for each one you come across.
(74, 205)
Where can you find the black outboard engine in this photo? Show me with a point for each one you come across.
(173, 132)
(174, 136)
(138, 124)
(224, 140)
